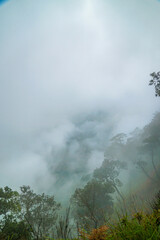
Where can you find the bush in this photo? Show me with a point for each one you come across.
(139, 227)
(96, 234)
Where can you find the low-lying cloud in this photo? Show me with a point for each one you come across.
(72, 74)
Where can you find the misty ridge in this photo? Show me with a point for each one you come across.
(85, 147)
(82, 151)
(79, 120)
(126, 179)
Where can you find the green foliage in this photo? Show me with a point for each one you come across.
(9, 202)
(15, 230)
(139, 227)
(10, 227)
(39, 211)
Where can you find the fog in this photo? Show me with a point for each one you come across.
(72, 74)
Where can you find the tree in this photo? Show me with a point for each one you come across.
(108, 173)
(64, 227)
(156, 82)
(92, 203)
(10, 226)
(15, 230)
(39, 211)
(149, 150)
(149, 146)
(9, 203)
(116, 148)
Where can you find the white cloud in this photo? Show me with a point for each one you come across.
(62, 59)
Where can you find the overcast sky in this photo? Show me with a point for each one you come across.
(63, 59)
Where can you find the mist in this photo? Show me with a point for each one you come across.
(73, 74)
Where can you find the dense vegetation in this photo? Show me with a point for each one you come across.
(32, 221)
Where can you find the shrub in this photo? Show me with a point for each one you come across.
(96, 234)
(139, 227)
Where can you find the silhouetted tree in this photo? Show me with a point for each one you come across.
(93, 203)
(108, 173)
(64, 227)
(156, 82)
(149, 149)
